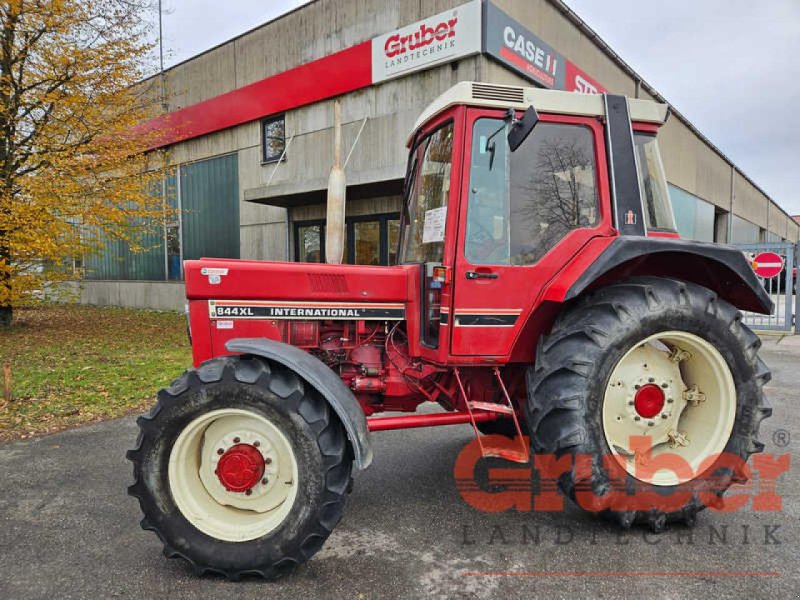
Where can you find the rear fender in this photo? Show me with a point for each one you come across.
(325, 381)
(723, 269)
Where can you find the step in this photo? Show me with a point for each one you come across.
(506, 454)
(491, 407)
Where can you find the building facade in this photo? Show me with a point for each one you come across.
(249, 129)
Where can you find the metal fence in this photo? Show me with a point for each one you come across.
(782, 289)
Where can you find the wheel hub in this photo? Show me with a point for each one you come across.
(676, 390)
(649, 400)
(240, 468)
(233, 474)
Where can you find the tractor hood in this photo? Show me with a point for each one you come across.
(221, 279)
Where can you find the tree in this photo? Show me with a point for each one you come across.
(74, 173)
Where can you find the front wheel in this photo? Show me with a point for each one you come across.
(654, 387)
(241, 468)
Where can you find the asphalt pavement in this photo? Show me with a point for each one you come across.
(69, 530)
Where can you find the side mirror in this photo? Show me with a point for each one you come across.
(520, 130)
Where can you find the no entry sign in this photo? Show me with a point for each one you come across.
(767, 265)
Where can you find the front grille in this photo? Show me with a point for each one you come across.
(482, 91)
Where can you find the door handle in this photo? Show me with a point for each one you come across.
(480, 275)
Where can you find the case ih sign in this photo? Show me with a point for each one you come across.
(513, 45)
(507, 41)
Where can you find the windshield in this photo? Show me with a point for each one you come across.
(422, 236)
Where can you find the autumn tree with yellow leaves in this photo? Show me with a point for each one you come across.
(74, 173)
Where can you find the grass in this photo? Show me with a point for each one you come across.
(74, 364)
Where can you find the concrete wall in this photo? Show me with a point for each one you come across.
(158, 295)
(692, 166)
(391, 108)
(354, 208)
(314, 30)
(380, 155)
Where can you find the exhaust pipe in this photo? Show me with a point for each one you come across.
(337, 185)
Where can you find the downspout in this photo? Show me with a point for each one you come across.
(337, 185)
(733, 197)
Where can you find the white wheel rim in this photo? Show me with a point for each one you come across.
(202, 498)
(692, 426)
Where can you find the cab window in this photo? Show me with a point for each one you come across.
(653, 183)
(523, 203)
(426, 204)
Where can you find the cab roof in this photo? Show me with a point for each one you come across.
(491, 95)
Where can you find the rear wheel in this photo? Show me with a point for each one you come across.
(241, 468)
(650, 381)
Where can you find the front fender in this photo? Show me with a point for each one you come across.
(325, 381)
(724, 269)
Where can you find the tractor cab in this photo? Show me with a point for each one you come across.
(505, 185)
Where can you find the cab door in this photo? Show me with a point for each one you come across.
(429, 226)
(523, 216)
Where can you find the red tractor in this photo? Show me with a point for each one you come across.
(541, 293)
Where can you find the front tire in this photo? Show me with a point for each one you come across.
(652, 359)
(241, 468)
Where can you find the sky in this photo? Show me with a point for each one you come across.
(729, 66)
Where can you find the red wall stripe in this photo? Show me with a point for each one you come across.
(333, 75)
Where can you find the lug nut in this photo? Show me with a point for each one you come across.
(664, 416)
(664, 385)
(637, 386)
(264, 481)
(267, 461)
(236, 440)
(256, 443)
(650, 379)
(220, 451)
(669, 400)
(630, 402)
(248, 492)
(637, 418)
(650, 423)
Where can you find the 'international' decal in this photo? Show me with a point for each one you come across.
(305, 310)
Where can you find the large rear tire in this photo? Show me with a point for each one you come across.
(667, 362)
(241, 468)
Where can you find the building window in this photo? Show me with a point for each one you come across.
(743, 231)
(273, 138)
(694, 218)
(310, 242)
(369, 240)
(173, 251)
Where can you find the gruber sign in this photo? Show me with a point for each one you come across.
(442, 38)
(767, 265)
